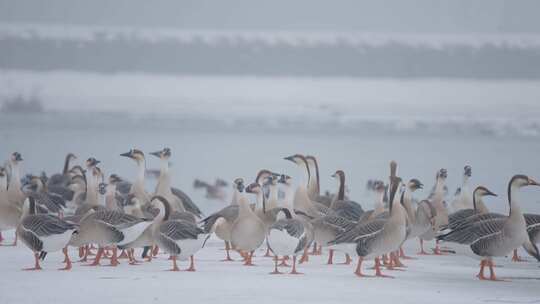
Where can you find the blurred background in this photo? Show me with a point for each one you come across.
(234, 86)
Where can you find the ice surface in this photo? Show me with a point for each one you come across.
(429, 279)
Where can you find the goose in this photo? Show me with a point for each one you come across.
(137, 188)
(314, 187)
(15, 194)
(91, 198)
(106, 228)
(179, 201)
(10, 214)
(419, 219)
(441, 213)
(287, 237)
(464, 199)
(247, 231)
(376, 237)
(463, 216)
(221, 222)
(179, 238)
(533, 227)
(302, 201)
(44, 233)
(38, 191)
(112, 197)
(213, 192)
(62, 179)
(497, 237)
(347, 209)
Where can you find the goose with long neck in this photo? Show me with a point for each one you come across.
(92, 199)
(380, 236)
(464, 199)
(179, 238)
(463, 216)
(10, 214)
(344, 207)
(62, 179)
(302, 201)
(440, 219)
(314, 186)
(248, 231)
(221, 222)
(15, 194)
(163, 187)
(43, 233)
(499, 236)
(138, 187)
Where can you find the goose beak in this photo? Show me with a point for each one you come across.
(127, 154)
(532, 182)
(289, 158)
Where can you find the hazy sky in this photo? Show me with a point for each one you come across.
(424, 16)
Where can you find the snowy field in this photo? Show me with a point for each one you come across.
(434, 279)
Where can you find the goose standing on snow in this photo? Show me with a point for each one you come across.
(248, 231)
(179, 238)
(10, 214)
(499, 236)
(342, 207)
(441, 213)
(221, 222)
(288, 237)
(44, 233)
(464, 199)
(417, 221)
(376, 237)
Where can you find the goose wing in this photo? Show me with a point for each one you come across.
(188, 203)
(180, 230)
(349, 209)
(486, 234)
(533, 225)
(361, 230)
(229, 213)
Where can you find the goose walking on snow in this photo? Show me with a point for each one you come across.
(44, 233)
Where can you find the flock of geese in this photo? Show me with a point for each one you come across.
(81, 208)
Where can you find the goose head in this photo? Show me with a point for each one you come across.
(164, 154)
(71, 157)
(262, 175)
(238, 184)
(414, 184)
(298, 159)
(467, 171)
(521, 180)
(442, 174)
(379, 187)
(34, 184)
(135, 154)
(16, 158)
(91, 163)
(114, 179)
(285, 179)
(478, 194)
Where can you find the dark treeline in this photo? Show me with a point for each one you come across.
(257, 57)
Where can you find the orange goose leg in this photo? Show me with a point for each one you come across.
(516, 257)
(358, 271)
(378, 272)
(293, 271)
(249, 259)
(175, 266)
(228, 256)
(330, 257)
(284, 261)
(36, 266)
(305, 256)
(191, 264)
(114, 258)
(66, 260)
(276, 271)
(480, 274)
(422, 251)
(492, 276)
(99, 254)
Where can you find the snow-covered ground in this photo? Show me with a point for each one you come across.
(428, 279)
